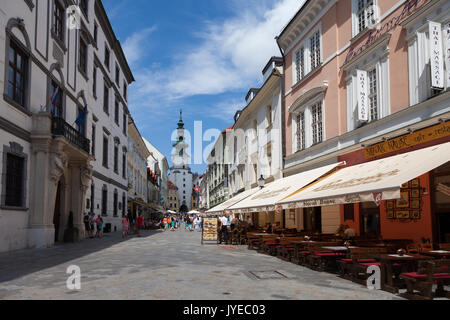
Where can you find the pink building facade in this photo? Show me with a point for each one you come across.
(359, 73)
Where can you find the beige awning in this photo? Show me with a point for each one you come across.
(266, 198)
(224, 206)
(361, 183)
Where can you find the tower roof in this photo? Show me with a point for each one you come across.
(181, 123)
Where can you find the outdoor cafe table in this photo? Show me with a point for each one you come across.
(438, 254)
(341, 249)
(409, 264)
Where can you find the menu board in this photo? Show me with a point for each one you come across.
(209, 230)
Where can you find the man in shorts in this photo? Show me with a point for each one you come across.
(140, 225)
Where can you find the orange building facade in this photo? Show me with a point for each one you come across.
(367, 80)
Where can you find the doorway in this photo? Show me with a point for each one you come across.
(312, 219)
(441, 203)
(57, 213)
(370, 220)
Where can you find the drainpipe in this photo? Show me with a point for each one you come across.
(283, 105)
(283, 119)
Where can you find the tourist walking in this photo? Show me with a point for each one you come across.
(92, 225)
(140, 224)
(87, 227)
(99, 222)
(165, 223)
(125, 226)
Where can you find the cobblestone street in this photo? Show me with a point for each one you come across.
(170, 265)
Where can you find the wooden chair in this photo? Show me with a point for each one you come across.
(420, 284)
(355, 267)
(285, 249)
(320, 259)
(412, 249)
(268, 244)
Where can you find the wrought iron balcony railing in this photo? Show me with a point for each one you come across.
(61, 128)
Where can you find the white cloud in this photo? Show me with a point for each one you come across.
(228, 57)
(134, 47)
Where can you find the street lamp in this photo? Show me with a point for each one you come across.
(261, 182)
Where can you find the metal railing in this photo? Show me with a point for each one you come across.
(61, 128)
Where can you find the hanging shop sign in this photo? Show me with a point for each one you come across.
(407, 141)
(362, 93)
(447, 47)
(436, 55)
(378, 198)
(209, 230)
(409, 8)
(279, 209)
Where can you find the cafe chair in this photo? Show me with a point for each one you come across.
(420, 284)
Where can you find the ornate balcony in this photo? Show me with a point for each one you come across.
(61, 128)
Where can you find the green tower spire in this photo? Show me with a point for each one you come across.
(181, 123)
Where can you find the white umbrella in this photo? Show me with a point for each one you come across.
(171, 212)
(193, 212)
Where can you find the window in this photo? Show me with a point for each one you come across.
(116, 159)
(81, 128)
(106, 100)
(300, 63)
(269, 116)
(105, 152)
(93, 140)
(365, 14)
(315, 50)
(105, 201)
(84, 6)
(117, 75)
(107, 54)
(317, 124)
(124, 165)
(92, 197)
(125, 90)
(124, 124)
(56, 100)
(17, 75)
(373, 98)
(58, 20)
(124, 205)
(95, 32)
(349, 212)
(94, 82)
(83, 55)
(116, 112)
(116, 204)
(14, 188)
(301, 141)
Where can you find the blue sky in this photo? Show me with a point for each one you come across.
(201, 56)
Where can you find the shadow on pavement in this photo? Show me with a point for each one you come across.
(20, 263)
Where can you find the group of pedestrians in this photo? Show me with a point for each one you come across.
(93, 226)
(127, 221)
(175, 222)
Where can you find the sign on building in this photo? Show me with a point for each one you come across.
(362, 92)
(447, 55)
(436, 56)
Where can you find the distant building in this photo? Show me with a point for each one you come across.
(180, 174)
(174, 203)
(157, 161)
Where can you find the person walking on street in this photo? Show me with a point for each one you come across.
(125, 225)
(140, 224)
(99, 222)
(165, 223)
(87, 227)
(225, 224)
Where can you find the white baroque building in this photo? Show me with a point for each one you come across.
(53, 168)
(254, 146)
(180, 173)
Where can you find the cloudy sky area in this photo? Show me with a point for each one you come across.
(201, 56)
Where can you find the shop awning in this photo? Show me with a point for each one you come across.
(266, 198)
(224, 206)
(371, 181)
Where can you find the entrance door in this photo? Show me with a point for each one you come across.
(370, 219)
(312, 219)
(441, 203)
(57, 213)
